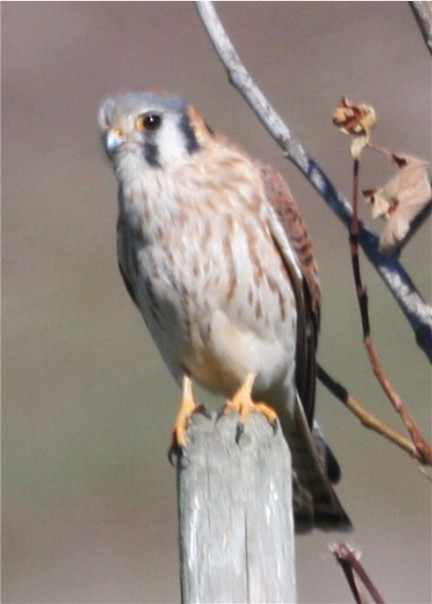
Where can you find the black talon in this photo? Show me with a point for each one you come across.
(177, 456)
(239, 431)
(204, 411)
(172, 454)
(176, 453)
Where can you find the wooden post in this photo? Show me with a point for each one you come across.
(235, 514)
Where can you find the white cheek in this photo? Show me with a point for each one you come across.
(171, 143)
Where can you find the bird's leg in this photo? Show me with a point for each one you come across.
(243, 404)
(188, 407)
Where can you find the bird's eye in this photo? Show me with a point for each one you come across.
(149, 122)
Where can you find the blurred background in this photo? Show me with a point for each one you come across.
(89, 501)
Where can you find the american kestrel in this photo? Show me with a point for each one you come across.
(215, 255)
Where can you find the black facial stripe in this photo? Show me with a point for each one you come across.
(192, 144)
(151, 154)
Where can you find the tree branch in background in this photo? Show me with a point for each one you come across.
(366, 418)
(355, 574)
(423, 449)
(416, 310)
(423, 14)
(358, 120)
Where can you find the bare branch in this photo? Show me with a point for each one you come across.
(416, 310)
(423, 449)
(366, 417)
(349, 560)
(423, 14)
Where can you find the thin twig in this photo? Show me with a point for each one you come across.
(417, 312)
(423, 449)
(366, 418)
(352, 568)
(355, 261)
(355, 585)
(423, 14)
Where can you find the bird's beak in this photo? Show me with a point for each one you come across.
(114, 140)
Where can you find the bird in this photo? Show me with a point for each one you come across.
(215, 255)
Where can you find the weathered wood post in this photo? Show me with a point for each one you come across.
(235, 514)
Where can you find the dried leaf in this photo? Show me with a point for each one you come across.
(357, 121)
(400, 200)
(380, 206)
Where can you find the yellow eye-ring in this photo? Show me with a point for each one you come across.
(148, 122)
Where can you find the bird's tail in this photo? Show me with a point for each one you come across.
(315, 468)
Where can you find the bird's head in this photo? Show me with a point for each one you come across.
(154, 130)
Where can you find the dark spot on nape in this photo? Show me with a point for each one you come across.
(192, 144)
(209, 128)
(151, 154)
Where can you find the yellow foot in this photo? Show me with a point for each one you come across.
(243, 404)
(188, 407)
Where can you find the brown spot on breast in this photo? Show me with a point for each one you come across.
(258, 310)
(228, 254)
(272, 284)
(282, 306)
(158, 233)
(254, 256)
(274, 287)
(195, 270)
(145, 216)
(170, 257)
